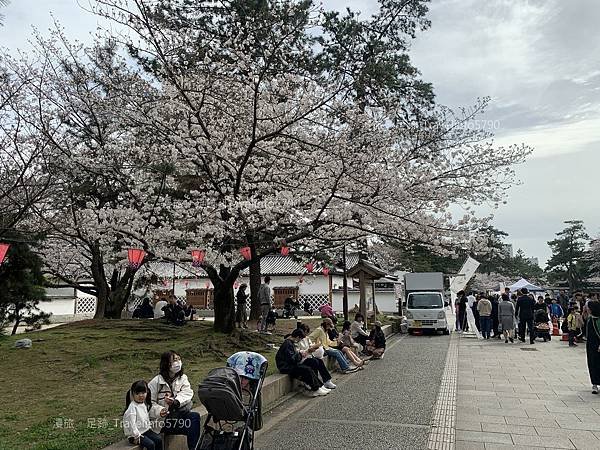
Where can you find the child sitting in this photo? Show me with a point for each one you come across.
(136, 420)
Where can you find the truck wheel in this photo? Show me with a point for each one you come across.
(446, 331)
(410, 331)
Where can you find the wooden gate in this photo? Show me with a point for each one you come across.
(281, 293)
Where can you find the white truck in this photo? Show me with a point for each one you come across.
(425, 304)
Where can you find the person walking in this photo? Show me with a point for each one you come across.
(506, 314)
(461, 309)
(495, 317)
(484, 308)
(592, 345)
(524, 311)
(563, 300)
(573, 320)
(264, 298)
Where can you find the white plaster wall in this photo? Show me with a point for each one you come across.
(312, 284)
(386, 301)
(58, 306)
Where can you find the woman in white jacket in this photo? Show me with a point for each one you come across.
(136, 418)
(172, 400)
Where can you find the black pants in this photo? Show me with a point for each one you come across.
(306, 374)
(187, 424)
(151, 441)
(529, 323)
(361, 339)
(318, 365)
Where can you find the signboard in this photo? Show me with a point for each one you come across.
(467, 271)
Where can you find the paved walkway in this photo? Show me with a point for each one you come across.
(389, 405)
(525, 396)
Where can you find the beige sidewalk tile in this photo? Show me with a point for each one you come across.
(565, 432)
(531, 422)
(468, 425)
(510, 429)
(475, 436)
(514, 412)
(478, 418)
(465, 445)
(542, 441)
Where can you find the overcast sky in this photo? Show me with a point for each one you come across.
(537, 59)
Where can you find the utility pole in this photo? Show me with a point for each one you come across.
(345, 287)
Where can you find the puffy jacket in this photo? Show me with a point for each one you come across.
(287, 357)
(179, 389)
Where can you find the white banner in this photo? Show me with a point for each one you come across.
(467, 271)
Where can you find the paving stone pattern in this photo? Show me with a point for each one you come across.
(514, 399)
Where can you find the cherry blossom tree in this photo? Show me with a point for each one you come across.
(23, 180)
(238, 149)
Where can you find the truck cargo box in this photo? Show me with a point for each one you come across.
(424, 281)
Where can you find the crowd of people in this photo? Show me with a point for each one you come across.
(301, 355)
(521, 314)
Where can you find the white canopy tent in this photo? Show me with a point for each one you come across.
(523, 283)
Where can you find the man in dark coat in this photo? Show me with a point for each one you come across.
(524, 311)
(495, 319)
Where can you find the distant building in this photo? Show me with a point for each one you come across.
(508, 250)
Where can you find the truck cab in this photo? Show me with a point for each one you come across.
(425, 303)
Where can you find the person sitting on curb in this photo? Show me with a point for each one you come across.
(320, 336)
(171, 395)
(356, 330)
(316, 352)
(376, 342)
(298, 364)
(350, 348)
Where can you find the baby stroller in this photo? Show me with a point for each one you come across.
(231, 395)
(542, 328)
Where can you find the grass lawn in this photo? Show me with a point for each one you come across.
(66, 391)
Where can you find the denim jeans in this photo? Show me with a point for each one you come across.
(187, 424)
(339, 357)
(486, 326)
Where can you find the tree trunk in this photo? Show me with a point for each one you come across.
(224, 304)
(254, 286)
(17, 320)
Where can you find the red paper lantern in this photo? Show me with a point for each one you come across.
(136, 257)
(246, 253)
(165, 282)
(309, 267)
(285, 250)
(198, 257)
(236, 285)
(325, 271)
(207, 285)
(3, 250)
(186, 284)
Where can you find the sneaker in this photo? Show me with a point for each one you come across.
(322, 391)
(511, 340)
(594, 389)
(329, 385)
(351, 369)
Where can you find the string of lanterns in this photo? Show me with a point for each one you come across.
(3, 251)
(136, 257)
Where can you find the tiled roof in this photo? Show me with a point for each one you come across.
(269, 265)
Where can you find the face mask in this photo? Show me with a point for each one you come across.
(176, 366)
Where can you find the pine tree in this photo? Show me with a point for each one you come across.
(21, 287)
(568, 255)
